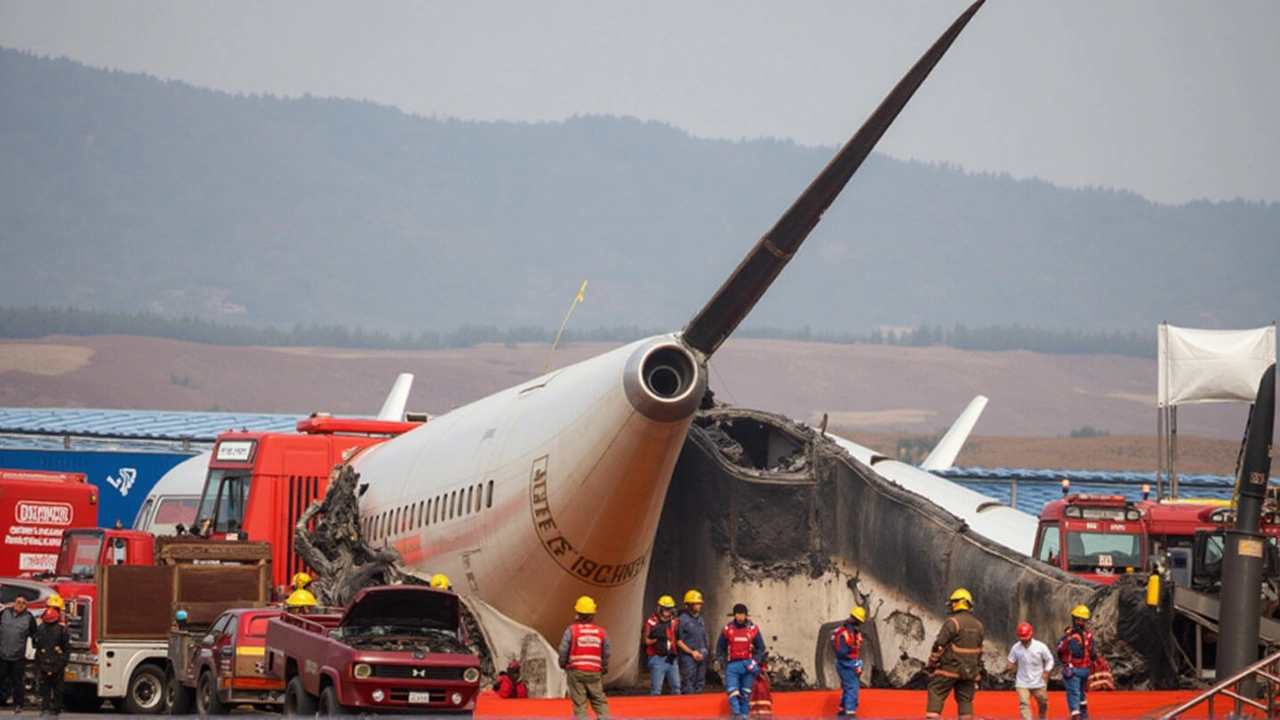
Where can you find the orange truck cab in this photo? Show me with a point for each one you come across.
(1097, 537)
(260, 483)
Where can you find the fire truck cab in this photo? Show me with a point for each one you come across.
(260, 483)
(1097, 537)
(1189, 534)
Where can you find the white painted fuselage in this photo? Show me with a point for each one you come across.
(547, 491)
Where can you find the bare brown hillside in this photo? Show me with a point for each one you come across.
(872, 393)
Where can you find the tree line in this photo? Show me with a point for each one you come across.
(37, 322)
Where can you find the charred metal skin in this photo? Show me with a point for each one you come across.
(1243, 550)
(768, 512)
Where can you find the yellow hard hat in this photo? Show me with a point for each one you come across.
(440, 581)
(1081, 612)
(666, 601)
(692, 597)
(859, 613)
(585, 606)
(301, 598)
(301, 580)
(962, 597)
(55, 601)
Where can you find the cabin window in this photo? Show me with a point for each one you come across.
(435, 510)
(225, 500)
(479, 497)
(453, 504)
(421, 505)
(1049, 545)
(488, 501)
(470, 495)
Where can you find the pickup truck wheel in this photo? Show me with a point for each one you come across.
(297, 701)
(145, 695)
(208, 704)
(177, 696)
(329, 705)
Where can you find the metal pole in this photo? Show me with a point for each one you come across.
(1242, 560)
(1160, 452)
(1173, 452)
(1013, 494)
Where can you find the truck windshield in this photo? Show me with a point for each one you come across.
(1087, 550)
(161, 516)
(79, 554)
(224, 502)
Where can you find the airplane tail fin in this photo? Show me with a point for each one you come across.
(749, 281)
(393, 407)
(943, 455)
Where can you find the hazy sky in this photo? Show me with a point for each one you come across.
(1175, 100)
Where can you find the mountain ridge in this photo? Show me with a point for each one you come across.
(132, 193)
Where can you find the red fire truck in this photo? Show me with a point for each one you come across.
(1098, 537)
(258, 484)
(261, 482)
(35, 508)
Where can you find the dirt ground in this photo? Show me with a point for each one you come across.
(873, 394)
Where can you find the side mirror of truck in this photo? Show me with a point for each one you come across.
(118, 555)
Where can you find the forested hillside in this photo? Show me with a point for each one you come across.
(126, 193)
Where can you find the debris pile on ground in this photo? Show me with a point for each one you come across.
(1133, 637)
(330, 539)
(335, 546)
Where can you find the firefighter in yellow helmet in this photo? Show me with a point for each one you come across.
(1077, 653)
(693, 645)
(584, 655)
(956, 660)
(52, 643)
(847, 640)
(300, 602)
(660, 647)
(440, 581)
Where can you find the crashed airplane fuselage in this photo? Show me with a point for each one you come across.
(552, 489)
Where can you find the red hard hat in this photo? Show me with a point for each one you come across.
(1024, 631)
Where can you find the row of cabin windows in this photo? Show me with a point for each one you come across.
(428, 512)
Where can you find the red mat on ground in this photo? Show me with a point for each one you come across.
(872, 704)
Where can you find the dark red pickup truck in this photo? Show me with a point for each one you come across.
(394, 649)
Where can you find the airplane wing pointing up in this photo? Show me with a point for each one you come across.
(749, 281)
(943, 455)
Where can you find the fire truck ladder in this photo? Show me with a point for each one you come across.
(1265, 670)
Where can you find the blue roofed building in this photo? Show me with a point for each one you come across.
(123, 452)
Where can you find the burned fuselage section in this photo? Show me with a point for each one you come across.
(768, 512)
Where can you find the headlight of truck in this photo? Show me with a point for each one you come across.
(362, 670)
(471, 675)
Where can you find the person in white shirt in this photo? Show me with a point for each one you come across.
(1033, 661)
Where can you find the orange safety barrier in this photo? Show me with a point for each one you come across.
(872, 704)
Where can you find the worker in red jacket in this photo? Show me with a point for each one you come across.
(509, 684)
(1077, 653)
